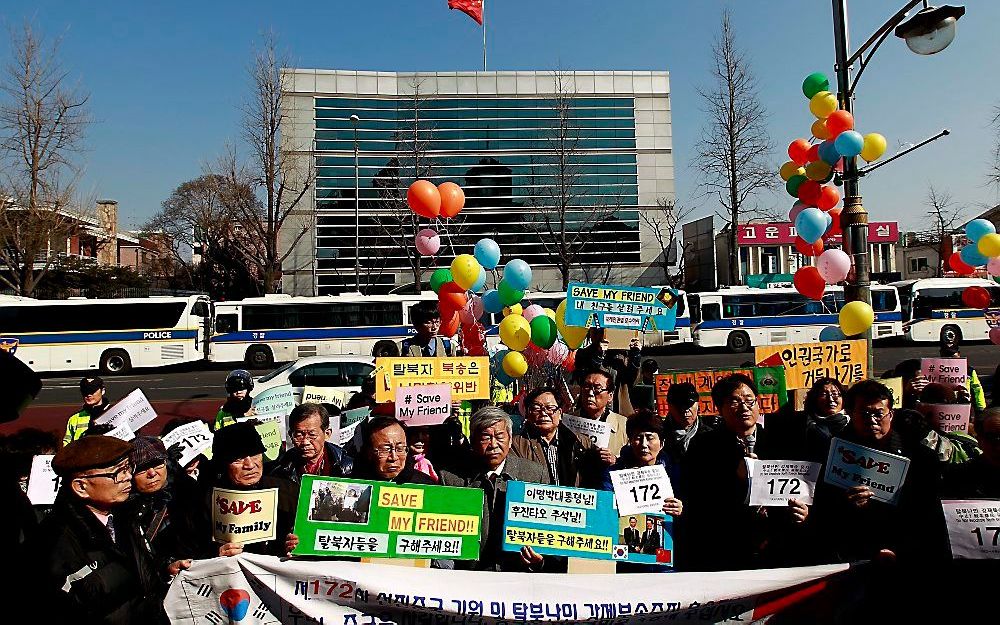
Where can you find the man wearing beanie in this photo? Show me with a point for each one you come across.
(89, 564)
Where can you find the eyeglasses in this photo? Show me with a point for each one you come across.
(592, 388)
(119, 476)
(305, 436)
(542, 409)
(830, 394)
(874, 415)
(747, 402)
(387, 450)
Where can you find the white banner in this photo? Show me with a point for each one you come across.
(195, 438)
(253, 589)
(133, 410)
(599, 432)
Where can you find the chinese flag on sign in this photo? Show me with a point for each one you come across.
(472, 8)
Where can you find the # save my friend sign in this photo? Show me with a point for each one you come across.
(850, 465)
(423, 405)
(617, 306)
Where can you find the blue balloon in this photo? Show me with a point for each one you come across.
(477, 286)
(491, 302)
(487, 252)
(517, 273)
(501, 375)
(811, 224)
(832, 333)
(828, 153)
(978, 228)
(970, 256)
(849, 143)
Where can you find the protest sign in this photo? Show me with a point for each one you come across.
(949, 417)
(121, 431)
(43, 483)
(896, 386)
(244, 516)
(469, 376)
(341, 517)
(279, 400)
(581, 523)
(850, 465)
(321, 395)
(973, 528)
(349, 422)
(195, 438)
(133, 409)
(845, 361)
(776, 482)
(770, 383)
(272, 435)
(949, 371)
(642, 489)
(599, 432)
(423, 405)
(624, 307)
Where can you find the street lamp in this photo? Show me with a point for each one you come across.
(927, 32)
(357, 210)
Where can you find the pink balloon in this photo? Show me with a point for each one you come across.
(797, 208)
(558, 352)
(473, 310)
(995, 335)
(532, 311)
(427, 242)
(993, 266)
(833, 265)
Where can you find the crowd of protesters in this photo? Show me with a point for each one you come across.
(128, 517)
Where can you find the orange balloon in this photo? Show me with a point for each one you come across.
(828, 197)
(452, 199)
(451, 297)
(424, 199)
(838, 122)
(449, 325)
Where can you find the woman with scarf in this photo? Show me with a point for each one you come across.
(824, 417)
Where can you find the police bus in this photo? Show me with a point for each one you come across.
(110, 335)
(933, 309)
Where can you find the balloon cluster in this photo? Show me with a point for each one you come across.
(983, 250)
(815, 213)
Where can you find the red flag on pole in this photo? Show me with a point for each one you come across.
(472, 8)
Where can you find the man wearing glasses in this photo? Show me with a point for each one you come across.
(384, 454)
(597, 390)
(567, 455)
(90, 562)
(311, 453)
(426, 320)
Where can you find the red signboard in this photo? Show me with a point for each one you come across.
(783, 233)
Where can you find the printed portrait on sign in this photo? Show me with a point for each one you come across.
(340, 502)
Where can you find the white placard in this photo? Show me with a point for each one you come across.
(43, 483)
(850, 465)
(194, 437)
(279, 400)
(599, 432)
(133, 409)
(347, 433)
(642, 489)
(973, 528)
(122, 431)
(321, 395)
(776, 482)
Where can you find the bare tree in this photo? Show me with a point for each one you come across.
(42, 123)
(733, 155)
(993, 175)
(945, 218)
(664, 223)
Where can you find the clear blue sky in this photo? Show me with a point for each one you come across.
(166, 79)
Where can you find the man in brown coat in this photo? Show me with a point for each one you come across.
(570, 459)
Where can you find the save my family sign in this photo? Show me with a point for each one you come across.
(617, 306)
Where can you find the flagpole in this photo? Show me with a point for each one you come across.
(484, 35)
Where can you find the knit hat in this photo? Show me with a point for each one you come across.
(236, 441)
(90, 452)
(682, 395)
(147, 452)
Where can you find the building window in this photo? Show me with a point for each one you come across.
(769, 260)
(919, 264)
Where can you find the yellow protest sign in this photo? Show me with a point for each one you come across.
(244, 516)
(270, 435)
(469, 377)
(845, 361)
(896, 386)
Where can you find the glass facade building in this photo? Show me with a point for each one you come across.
(535, 157)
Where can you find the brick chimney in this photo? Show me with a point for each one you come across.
(107, 219)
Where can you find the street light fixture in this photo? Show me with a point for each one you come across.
(357, 209)
(931, 30)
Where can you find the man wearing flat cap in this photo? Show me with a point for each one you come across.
(88, 562)
(683, 422)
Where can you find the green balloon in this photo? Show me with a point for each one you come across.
(814, 83)
(508, 294)
(543, 331)
(792, 186)
(439, 277)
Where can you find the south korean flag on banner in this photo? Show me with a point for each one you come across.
(219, 593)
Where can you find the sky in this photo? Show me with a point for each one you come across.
(166, 80)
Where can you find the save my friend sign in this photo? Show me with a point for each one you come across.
(244, 516)
(850, 465)
(342, 517)
(617, 306)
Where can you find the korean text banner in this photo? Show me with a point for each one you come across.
(770, 383)
(581, 523)
(624, 307)
(469, 377)
(845, 361)
(253, 589)
(340, 517)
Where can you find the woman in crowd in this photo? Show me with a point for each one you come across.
(825, 417)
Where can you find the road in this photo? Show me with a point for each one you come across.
(197, 391)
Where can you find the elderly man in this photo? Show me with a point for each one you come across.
(596, 392)
(492, 467)
(384, 454)
(548, 442)
(89, 564)
(683, 423)
(311, 453)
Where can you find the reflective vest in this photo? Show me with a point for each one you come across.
(76, 425)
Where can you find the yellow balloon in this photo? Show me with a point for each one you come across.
(989, 245)
(789, 169)
(515, 332)
(551, 314)
(514, 364)
(465, 270)
(874, 147)
(513, 310)
(820, 131)
(817, 170)
(855, 318)
(573, 335)
(822, 104)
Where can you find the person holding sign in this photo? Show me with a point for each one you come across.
(549, 442)
(946, 415)
(311, 453)
(594, 402)
(95, 403)
(17, 455)
(645, 445)
(824, 417)
(980, 477)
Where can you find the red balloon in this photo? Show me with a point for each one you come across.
(828, 197)
(570, 363)
(959, 266)
(808, 282)
(424, 199)
(976, 297)
(813, 153)
(835, 228)
(449, 325)
(807, 249)
(452, 199)
(798, 151)
(451, 298)
(809, 192)
(838, 122)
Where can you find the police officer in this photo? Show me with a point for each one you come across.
(239, 383)
(95, 403)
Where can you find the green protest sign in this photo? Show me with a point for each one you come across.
(361, 518)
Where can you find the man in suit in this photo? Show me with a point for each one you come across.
(490, 469)
(650, 538)
(632, 536)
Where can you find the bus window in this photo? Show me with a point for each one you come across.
(711, 312)
(226, 323)
(695, 308)
(883, 301)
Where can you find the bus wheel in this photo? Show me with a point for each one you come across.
(259, 357)
(952, 335)
(739, 342)
(115, 362)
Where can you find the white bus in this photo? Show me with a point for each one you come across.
(933, 310)
(261, 331)
(111, 335)
(741, 318)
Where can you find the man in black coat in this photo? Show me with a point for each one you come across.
(651, 538)
(632, 536)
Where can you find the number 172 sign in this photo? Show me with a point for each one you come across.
(776, 482)
(642, 489)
